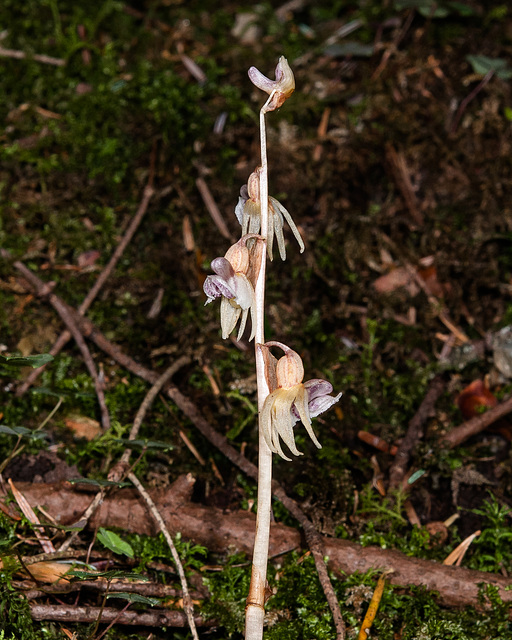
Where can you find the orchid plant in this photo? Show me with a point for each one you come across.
(239, 280)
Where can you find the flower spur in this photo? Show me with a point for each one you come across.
(248, 213)
(234, 287)
(291, 400)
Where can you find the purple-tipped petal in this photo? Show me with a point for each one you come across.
(215, 287)
(223, 268)
(317, 387)
(321, 404)
(261, 81)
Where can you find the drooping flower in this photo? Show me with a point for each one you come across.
(248, 213)
(280, 89)
(291, 400)
(232, 285)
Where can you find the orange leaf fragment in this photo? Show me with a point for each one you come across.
(474, 397)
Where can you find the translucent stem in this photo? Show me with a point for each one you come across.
(255, 609)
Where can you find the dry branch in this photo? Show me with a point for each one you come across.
(65, 336)
(223, 532)
(72, 613)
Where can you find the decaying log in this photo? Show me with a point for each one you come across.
(234, 531)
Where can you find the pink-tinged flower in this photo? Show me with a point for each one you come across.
(280, 89)
(291, 400)
(232, 285)
(248, 213)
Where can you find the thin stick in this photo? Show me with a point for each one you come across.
(469, 98)
(72, 613)
(119, 469)
(67, 319)
(38, 57)
(255, 608)
(187, 600)
(414, 432)
(213, 209)
(102, 278)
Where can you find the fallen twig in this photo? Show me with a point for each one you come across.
(121, 467)
(477, 424)
(72, 613)
(468, 99)
(38, 57)
(187, 600)
(219, 531)
(212, 207)
(414, 432)
(102, 278)
(67, 318)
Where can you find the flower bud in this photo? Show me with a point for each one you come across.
(238, 256)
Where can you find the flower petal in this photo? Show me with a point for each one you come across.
(282, 419)
(244, 291)
(239, 210)
(266, 420)
(317, 387)
(321, 404)
(223, 268)
(229, 314)
(279, 207)
(215, 287)
(261, 81)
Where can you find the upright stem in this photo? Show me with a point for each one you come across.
(255, 609)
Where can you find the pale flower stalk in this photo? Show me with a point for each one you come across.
(283, 398)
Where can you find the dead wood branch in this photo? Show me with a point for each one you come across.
(38, 57)
(402, 178)
(475, 425)
(414, 432)
(65, 336)
(72, 613)
(187, 600)
(67, 318)
(219, 531)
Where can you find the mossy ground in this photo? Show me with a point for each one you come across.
(78, 143)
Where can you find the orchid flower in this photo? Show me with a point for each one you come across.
(279, 89)
(291, 400)
(234, 287)
(248, 213)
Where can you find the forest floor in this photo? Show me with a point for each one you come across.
(127, 131)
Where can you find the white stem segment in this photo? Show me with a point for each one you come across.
(255, 609)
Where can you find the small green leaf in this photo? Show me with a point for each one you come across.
(20, 432)
(99, 483)
(109, 575)
(484, 64)
(141, 444)
(27, 361)
(134, 597)
(508, 113)
(416, 476)
(113, 542)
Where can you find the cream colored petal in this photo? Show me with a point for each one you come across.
(244, 291)
(241, 328)
(229, 315)
(266, 420)
(282, 419)
(278, 230)
(279, 207)
(253, 321)
(301, 404)
(270, 233)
